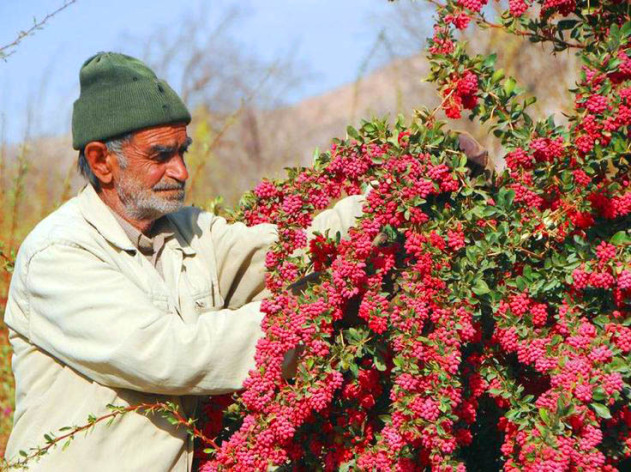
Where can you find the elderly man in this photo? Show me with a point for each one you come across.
(122, 296)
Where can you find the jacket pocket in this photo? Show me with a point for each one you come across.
(203, 301)
(204, 293)
(160, 301)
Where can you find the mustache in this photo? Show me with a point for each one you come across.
(169, 186)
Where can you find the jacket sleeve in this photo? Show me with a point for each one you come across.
(86, 313)
(240, 250)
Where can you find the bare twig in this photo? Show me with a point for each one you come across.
(3, 147)
(40, 451)
(18, 190)
(36, 26)
(143, 408)
(230, 121)
(67, 185)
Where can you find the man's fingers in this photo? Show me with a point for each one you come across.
(476, 154)
(297, 287)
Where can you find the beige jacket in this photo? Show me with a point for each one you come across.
(93, 323)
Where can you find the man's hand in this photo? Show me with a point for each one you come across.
(290, 362)
(477, 156)
(298, 287)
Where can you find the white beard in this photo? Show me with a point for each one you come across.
(148, 204)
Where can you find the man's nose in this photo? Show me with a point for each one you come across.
(177, 169)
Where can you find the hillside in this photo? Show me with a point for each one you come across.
(233, 152)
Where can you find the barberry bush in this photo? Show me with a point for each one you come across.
(466, 322)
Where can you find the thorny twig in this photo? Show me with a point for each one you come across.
(145, 408)
(31, 30)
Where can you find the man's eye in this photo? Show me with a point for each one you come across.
(164, 156)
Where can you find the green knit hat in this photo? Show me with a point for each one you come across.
(120, 94)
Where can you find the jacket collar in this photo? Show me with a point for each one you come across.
(98, 214)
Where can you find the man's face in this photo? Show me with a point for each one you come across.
(152, 182)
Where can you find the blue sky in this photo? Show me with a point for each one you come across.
(330, 37)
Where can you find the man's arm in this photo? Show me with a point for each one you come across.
(87, 314)
(240, 254)
(240, 250)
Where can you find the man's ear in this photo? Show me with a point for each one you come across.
(100, 161)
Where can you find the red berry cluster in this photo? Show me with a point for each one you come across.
(459, 94)
(459, 319)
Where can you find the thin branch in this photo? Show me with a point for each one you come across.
(18, 191)
(32, 29)
(40, 451)
(7, 259)
(118, 411)
(229, 122)
(549, 36)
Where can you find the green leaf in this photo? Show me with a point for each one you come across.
(490, 60)
(543, 413)
(480, 287)
(566, 24)
(599, 394)
(550, 285)
(505, 198)
(66, 444)
(352, 132)
(601, 321)
(497, 76)
(171, 420)
(510, 196)
(347, 466)
(379, 363)
(621, 237)
(509, 85)
(614, 32)
(529, 101)
(601, 410)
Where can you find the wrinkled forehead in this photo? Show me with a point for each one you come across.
(167, 136)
